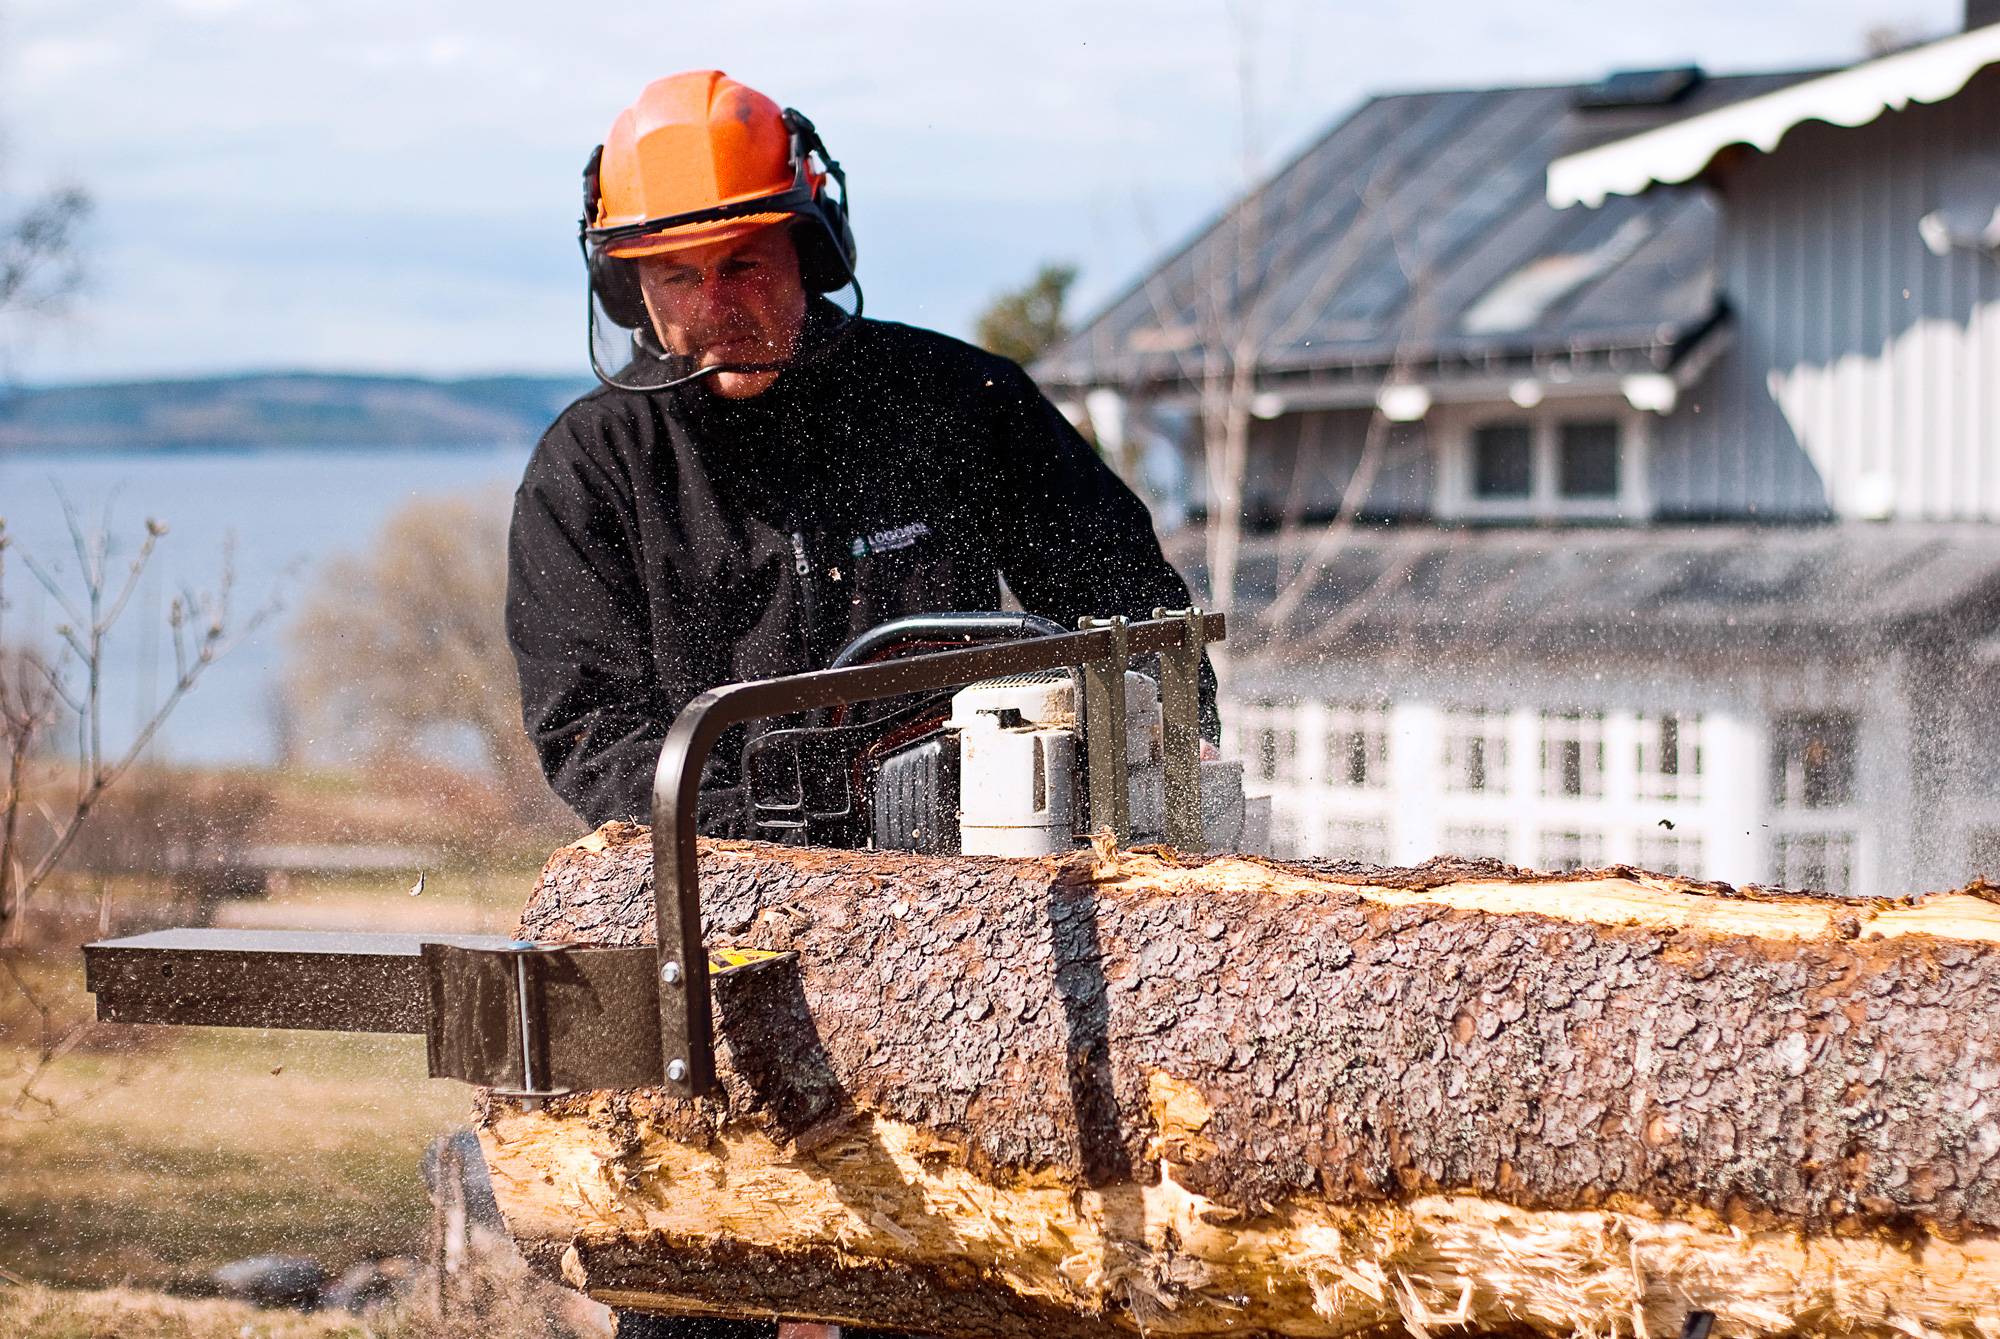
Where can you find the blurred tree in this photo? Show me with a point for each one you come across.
(41, 266)
(401, 651)
(1025, 322)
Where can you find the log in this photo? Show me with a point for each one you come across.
(1141, 1093)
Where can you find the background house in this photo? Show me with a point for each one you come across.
(1621, 469)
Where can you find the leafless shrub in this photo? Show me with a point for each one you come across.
(402, 649)
(1236, 309)
(50, 803)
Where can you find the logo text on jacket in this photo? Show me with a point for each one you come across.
(888, 541)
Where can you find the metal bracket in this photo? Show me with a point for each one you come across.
(536, 1021)
(1180, 717)
(1104, 729)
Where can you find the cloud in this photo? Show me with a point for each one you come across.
(46, 66)
(374, 179)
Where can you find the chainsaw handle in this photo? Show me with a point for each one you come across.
(977, 626)
(917, 633)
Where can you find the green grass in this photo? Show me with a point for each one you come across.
(147, 1156)
(210, 1145)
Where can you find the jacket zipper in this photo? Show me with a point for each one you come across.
(808, 597)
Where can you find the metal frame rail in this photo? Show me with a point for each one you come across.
(1102, 648)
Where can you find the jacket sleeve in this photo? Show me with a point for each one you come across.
(578, 624)
(1076, 541)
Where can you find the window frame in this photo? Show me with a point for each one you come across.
(1489, 729)
(1790, 793)
(1456, 498)
(1784, 873)
(1686, 783)
(1587, 730)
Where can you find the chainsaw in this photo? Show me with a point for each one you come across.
(983, 734)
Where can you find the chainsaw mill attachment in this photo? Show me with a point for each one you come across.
(534, 1021)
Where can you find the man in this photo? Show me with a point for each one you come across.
(762, 476)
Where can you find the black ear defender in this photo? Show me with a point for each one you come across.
(821, 232)
(615, 282)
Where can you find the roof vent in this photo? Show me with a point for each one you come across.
(1641, 88)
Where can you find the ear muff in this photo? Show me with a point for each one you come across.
(825, 246)
(822, 233)
(614, 282)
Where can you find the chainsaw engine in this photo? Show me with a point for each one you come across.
(995, 768)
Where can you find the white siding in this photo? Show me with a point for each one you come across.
(1865, 373)
(1725, 824)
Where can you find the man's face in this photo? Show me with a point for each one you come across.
(735, 301)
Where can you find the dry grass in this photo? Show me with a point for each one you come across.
(35, 1312)
(148, 1156)
(160, 1164)
(502, 1301)
(142, 1158)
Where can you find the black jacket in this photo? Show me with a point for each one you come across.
(666, 543)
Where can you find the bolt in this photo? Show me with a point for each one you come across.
(670, 972)
(676, 1071)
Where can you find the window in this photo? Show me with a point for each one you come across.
(1573, 754)
(1812, 760)
(1475, 841)
(1277, 752)
(1671, 853)
(1572, 850)
(1269, 731)
(1502, 461)
(1566, 459)
(1475, 751)
(1669, 758)
(1822, 862)
(1357, 747)
(1587, 459)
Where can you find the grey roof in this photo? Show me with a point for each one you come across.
(1418, 227)
(1738, 589)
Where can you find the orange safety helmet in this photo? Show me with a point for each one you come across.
(691, 143)
(700, 158)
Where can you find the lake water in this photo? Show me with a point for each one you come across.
(288, 510)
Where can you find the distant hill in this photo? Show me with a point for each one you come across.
(284, 409)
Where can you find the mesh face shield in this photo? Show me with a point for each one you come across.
(627, 351)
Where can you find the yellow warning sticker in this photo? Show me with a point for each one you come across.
(721, 960)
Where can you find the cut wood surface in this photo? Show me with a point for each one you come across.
(1138, 1092)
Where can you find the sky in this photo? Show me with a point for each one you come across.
(375, 186)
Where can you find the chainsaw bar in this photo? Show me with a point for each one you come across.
(527, 1020)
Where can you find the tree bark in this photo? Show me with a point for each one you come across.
(1199, 1096)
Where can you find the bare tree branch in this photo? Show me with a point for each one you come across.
(40, 263)
(33, 700)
